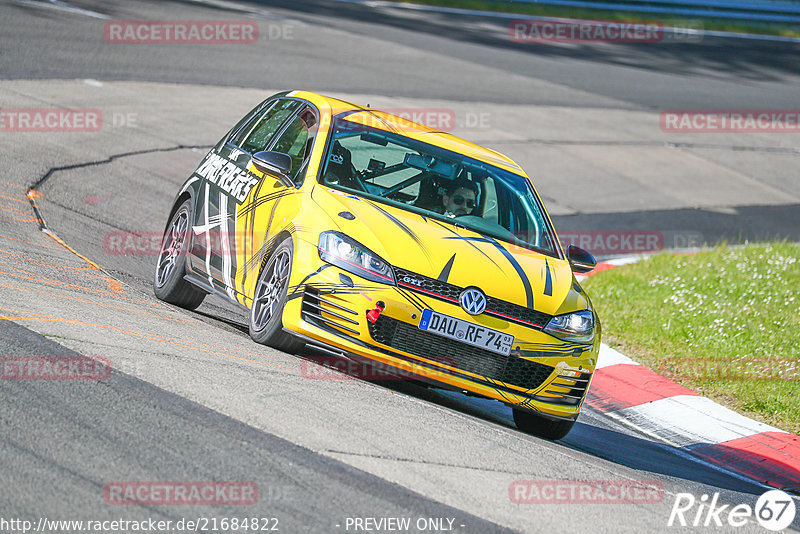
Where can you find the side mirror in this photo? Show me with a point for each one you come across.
(580, 260)
(275, 164)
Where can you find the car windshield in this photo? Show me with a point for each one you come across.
(438, 183)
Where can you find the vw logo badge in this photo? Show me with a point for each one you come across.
(473, 301)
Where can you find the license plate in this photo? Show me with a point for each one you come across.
(466, 332)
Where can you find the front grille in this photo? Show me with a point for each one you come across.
(494, 307)
(516, 311)
(508, 369)
(428, 284)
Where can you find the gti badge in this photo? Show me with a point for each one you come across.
(412, 281)
(473, 301)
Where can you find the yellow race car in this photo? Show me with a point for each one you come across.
(391, 243)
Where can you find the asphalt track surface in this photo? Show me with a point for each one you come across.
(191, 398)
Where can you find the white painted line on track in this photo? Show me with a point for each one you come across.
(687, 455)
(257, 11)
(609, 356)
(64, 6)
(685, 420)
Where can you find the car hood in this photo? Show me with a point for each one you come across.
(458, 256)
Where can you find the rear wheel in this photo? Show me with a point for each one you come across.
(531, 423)
(169, 284)
(270, 297)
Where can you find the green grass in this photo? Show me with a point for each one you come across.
(725, 323)
(706, 23)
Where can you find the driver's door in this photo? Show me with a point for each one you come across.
(271, 205)
(227, 185)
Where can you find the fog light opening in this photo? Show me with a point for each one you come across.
(375, 312)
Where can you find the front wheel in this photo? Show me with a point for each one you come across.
(169, 284)
(531, 423)
(270, 297)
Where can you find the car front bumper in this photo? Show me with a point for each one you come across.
(329, 307)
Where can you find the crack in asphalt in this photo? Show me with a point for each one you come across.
(46, 176)
(32, 189)
(33, 194)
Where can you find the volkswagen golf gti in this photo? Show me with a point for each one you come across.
(392, 244)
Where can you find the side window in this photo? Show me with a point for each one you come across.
(297, 138)
(261, 130)
(246, 124)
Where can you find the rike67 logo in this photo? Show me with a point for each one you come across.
(774, 510)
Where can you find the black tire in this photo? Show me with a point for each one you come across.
(530, 423)
(269, 298)
(168, 282)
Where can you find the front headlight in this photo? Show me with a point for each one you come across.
(353, 257)
(577, 327)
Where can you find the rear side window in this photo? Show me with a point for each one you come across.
(259, 131)
(297, 138)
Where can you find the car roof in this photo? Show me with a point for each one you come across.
(393, 123)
